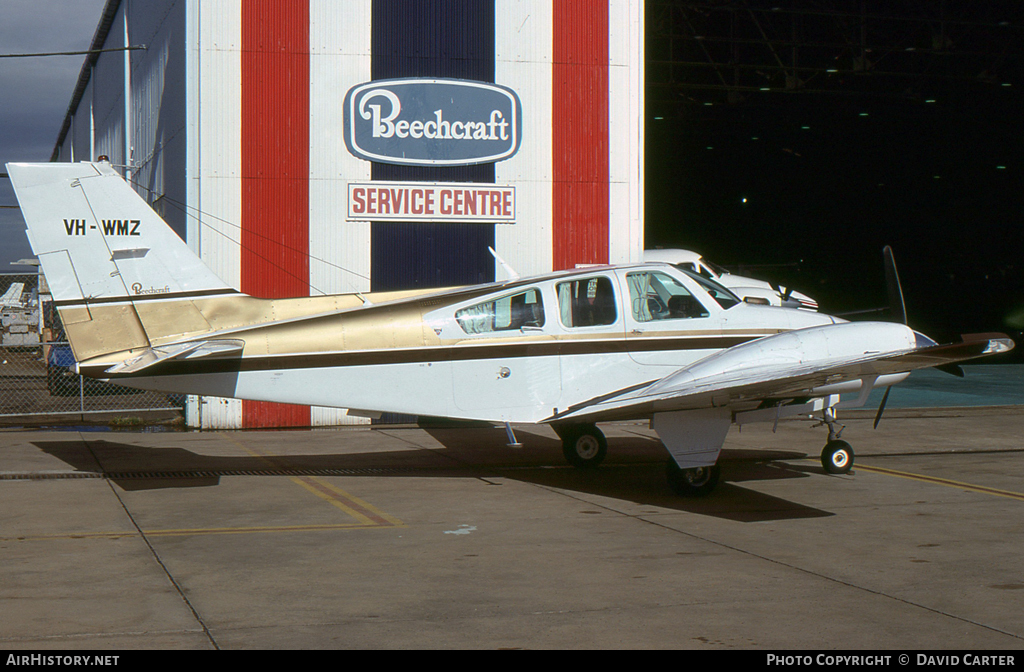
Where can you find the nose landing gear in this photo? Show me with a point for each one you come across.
(837, 455)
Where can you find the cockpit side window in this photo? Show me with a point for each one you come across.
(587, 302)
(658, 296)
(509, 313)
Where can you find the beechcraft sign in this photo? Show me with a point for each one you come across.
(432, 122)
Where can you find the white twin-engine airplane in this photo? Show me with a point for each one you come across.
(567, 349)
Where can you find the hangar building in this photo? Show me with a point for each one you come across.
(306, 147)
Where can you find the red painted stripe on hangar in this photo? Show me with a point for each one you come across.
(580, 133)
(275, 167)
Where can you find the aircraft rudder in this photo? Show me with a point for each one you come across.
(84, 218)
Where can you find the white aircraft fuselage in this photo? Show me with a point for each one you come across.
(415, 356)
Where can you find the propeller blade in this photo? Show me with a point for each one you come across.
(881, 407)
(892, 283)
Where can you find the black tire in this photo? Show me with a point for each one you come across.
(697, 482)
(837, 457)
(584, 446)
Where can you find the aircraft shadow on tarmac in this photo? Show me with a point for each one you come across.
(634, 470)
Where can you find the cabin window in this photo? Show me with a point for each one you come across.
(658, 296)
(508, 313)
(588, 302)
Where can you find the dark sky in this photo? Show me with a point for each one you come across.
(36, 92)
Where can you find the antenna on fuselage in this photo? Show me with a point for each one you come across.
(508, 269)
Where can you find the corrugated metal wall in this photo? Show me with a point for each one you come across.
(254, 89)
(155, 119)
(432, 38)
(214, 99)
(275, 167)
(158, 138)
(108, 108)
(580, 132)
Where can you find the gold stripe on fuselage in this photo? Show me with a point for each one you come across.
(336, 330)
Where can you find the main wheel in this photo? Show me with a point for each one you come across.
(584, 446)
(837, 457)
(696, 482)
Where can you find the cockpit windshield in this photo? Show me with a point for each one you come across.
(723, 296)
(714, 267)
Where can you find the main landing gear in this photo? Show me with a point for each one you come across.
(695, 482)
(584, 446)
(837, 455)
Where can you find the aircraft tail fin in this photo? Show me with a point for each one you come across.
(97, 239)
(102, 250)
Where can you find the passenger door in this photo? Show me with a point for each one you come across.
(669, 323)
(507, 365)
(591, 325)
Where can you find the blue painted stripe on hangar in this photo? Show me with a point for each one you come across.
(431, 38)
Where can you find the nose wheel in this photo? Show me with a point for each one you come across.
(837, 457)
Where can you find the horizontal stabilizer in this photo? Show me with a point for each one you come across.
(177, 351)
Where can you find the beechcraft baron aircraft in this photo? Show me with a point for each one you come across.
(566, 349)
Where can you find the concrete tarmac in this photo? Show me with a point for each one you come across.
(406, 537)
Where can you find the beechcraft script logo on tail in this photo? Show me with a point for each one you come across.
(432, 122)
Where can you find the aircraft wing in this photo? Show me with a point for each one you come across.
(763, 370)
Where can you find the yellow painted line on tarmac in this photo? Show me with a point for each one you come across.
(943, 481)
(367, 514)
(362, 511)
(199, 531)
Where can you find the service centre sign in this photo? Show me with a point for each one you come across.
(432, 122)
(422, 201)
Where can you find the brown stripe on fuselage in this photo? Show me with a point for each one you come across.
(154, 296)
(461, 352)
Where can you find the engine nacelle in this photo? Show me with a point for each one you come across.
(821, 345)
